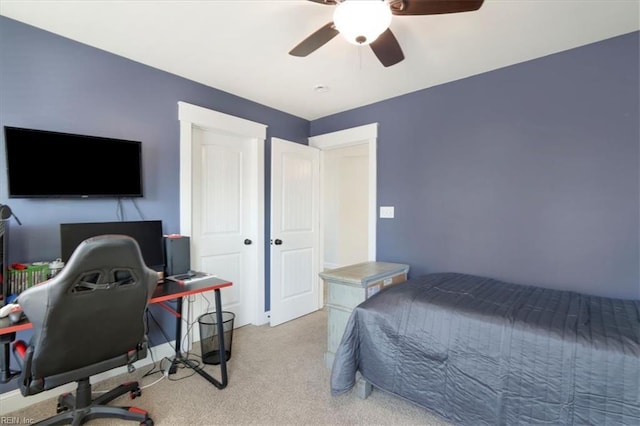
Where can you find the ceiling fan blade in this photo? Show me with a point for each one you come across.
(387, 49)
(433, 7)
(329, 2)
(315, 40)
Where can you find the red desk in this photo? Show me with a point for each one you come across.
(165, 291)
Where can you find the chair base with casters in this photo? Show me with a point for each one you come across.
(80, 408)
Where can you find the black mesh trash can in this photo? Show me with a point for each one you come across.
(209, 346)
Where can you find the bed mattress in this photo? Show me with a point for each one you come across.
(480, 351)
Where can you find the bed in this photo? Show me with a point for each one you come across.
(480, 351)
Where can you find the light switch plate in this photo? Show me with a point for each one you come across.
(386, 212)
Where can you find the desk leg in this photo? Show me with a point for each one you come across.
(5, 362)
(179, 358)
(222, 350)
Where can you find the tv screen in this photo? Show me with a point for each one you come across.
(148, 234)
(51, 164)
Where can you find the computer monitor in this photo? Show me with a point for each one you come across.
(148, 234)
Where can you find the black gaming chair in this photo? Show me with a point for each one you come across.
(88, 319)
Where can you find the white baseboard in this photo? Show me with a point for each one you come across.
(13, 400)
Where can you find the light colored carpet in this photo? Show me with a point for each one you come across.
(277, 376)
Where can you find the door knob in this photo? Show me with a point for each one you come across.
(247, 242)
(278, 241)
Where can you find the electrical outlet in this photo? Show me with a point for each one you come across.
(387, 212)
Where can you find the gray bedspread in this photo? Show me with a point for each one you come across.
(480, 351)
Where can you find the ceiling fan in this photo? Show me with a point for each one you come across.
(367, 22)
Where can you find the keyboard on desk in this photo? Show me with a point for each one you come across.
(189, 277)
(183, 276)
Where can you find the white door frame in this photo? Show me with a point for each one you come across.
(191, 116)
(366, 134)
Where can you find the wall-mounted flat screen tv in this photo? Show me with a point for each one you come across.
(43, 164)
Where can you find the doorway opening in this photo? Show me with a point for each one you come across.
(348, 200)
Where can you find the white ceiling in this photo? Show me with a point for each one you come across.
(241, 46)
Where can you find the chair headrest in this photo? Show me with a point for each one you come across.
(106, 250)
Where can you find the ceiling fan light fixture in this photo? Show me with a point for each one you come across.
(362, 21)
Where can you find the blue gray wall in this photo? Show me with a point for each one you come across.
(52, 83)
(528, 173)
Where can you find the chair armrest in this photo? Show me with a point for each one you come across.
(23, 354)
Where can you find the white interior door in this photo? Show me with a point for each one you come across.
(295, 196)
(222, 208)
(221, 216)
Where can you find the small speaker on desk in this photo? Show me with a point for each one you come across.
(177, 254)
